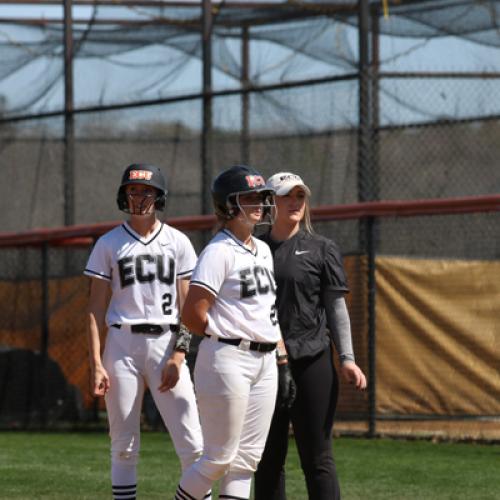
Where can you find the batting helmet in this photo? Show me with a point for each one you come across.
(141, 173)
(236, 180)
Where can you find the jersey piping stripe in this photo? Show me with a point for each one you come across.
(238, 242)
(138, 239)
(204, 285)
(185, 273)
(182, 494)
(99, 275)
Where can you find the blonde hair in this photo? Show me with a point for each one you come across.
(306, 220)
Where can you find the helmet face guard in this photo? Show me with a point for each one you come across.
(235, 181)
(267, 205)
(140, 203)
(148, 175)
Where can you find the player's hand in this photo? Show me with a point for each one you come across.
(352, 374)
(286, 388)
(100, 380)
(170, 372)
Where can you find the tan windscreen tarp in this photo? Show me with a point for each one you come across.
(438, 337)
(438, 334)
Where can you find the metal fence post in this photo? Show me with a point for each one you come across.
(368, 188)
(207, 132)
(69, 128)
(365, 191)
(372, 331)
(44, 329)
(245, 98)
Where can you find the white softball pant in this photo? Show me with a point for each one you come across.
(236, 393)
(132, 361)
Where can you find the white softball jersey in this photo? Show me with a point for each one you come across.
(243, 284)
(142, 273)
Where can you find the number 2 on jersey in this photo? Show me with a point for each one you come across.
(274, 315)
(167, 302)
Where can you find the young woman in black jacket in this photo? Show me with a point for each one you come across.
(312, 313)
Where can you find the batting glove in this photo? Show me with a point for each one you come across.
(286, 388)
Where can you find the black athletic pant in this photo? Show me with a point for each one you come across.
(312, 418)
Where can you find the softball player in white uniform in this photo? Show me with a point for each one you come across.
(231, 301)
(140, 272)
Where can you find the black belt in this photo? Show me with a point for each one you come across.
(149, 328)
(254, 346)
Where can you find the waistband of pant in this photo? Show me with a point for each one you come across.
(149, 328)
(246, 344)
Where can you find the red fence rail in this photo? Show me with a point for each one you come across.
(85, 233)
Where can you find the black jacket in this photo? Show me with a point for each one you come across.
(304, 266)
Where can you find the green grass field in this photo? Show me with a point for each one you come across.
(75, 466)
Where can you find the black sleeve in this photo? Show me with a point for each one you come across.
(333, 277)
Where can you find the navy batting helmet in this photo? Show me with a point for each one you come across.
(141, 173)
(236, 180)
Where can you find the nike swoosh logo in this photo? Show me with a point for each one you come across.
(300, 252)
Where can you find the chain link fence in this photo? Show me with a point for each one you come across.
(434, 316)
(362, 130)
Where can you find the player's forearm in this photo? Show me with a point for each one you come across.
(281, 354)
(195, 310)
(96, 318)
(94, 340)
(183, 335)
(182, 291)
(195, 323)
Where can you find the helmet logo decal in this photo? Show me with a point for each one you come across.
(140, 175)
(254, 181)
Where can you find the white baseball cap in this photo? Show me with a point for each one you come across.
(283, 182)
